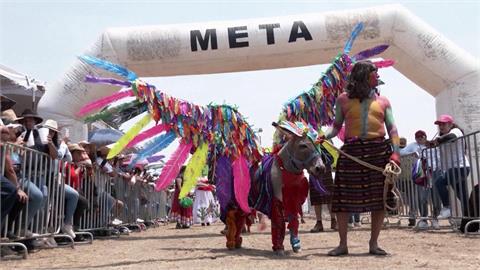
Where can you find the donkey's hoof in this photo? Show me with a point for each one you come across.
(231, 245)
(238, 243)
(295, 242)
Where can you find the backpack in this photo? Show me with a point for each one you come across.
(419, 175)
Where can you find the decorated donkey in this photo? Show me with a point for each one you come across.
(279, 187)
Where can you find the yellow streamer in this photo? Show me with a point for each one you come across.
(194, 169)
(127, 137)
(331, 150)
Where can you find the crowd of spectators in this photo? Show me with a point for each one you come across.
(36, 154)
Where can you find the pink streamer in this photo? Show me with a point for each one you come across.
(100, 103)
(147, 134)
(173, 165)
(241, 182)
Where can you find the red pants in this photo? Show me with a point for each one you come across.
(278, 225)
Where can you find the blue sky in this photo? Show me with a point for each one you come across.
(42, 38)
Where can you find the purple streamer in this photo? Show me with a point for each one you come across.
(318, 185)
(155, 158)
(370, 52)
(92, 79)
(224, 181)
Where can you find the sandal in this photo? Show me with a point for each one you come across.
(377, 251)
(338, 251)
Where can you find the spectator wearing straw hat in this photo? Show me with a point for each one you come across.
(63, 154)
(62, 149)
(10, 119)
(90, 150)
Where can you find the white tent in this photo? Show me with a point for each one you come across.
(25, 90)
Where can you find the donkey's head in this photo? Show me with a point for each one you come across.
(300, 148)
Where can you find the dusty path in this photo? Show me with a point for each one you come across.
(203, 247)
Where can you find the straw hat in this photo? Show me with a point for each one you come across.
(75, 147)
(30, 113)
(10, 116)
(84, 143)
(51, 124)
(13, 125)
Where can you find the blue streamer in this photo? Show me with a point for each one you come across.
(157, 145)
(353, 36)
(119, 70)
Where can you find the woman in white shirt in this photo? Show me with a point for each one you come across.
(453, 162)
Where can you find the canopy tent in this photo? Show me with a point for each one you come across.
(25, 90)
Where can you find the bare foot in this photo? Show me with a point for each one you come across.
(338, 251)
(377, 251)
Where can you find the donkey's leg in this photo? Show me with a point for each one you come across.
(278, 225)
(240, 218)
(231, 228)
(293, 229)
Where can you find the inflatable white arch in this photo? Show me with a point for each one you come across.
(422, 54)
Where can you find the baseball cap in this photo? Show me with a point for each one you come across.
(444, 118)
(420, 133)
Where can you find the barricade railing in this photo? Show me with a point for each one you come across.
(407, 188)
(455, 175)
(96, 188)
(123, 192)
(6, 188)
(447, 176)
(39, 176)
(141, 202)
(152, 204)
(128, 192)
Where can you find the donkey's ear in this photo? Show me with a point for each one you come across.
(283, 131)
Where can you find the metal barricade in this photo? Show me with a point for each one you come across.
(451, 175)
(40, 178)
(131, 198)
(408, 190)
(152, 204)
(142, 205)
(4, 191)
(454, 177)
(97, 190)
(79, 187)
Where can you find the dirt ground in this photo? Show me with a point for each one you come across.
(204, 248)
